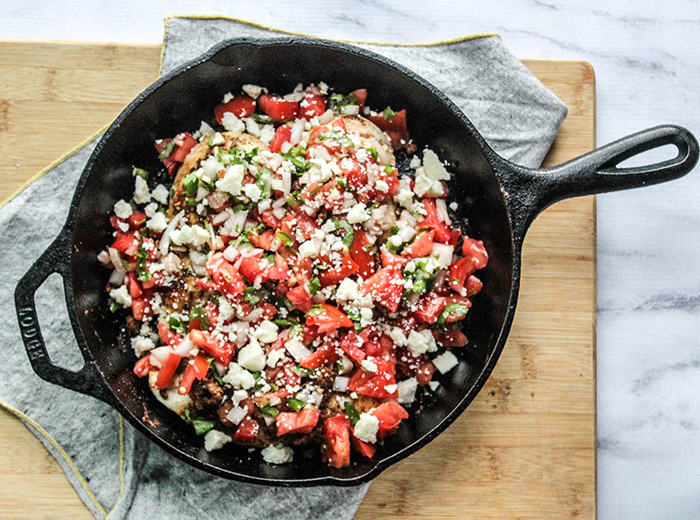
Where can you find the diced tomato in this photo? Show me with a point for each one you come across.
(143, 366)
(184, 143)
(247, 430)
(458, 273)
(157, 280)
(475, 250)
(394, 127)
(222, 352)
(372, 347)
(226, 278)
(160, 145)
(282, 135)
(351, 344)
(421, 246)
(168, 336)
(196, 368)
(269, 311)
(360, 97)
(433, 221)
(337, 432)
(337, 274)
(166, 373)
(205, 285)
(390, 414)
(429, 307)
(278, 108)
(309, 333)
(263, 240)
(425, 372)
(385, 286)
(325, 355)
(393, 182)
(253, 266)
(300, 297)
(374, 384)
(390, 259)
(115, 221)
(473, 286)
(241, 106)
(360, 254)
(366, 449)
(313, 105)
(127, 244)
(328, 318)
(451, 338)
(135, 290)
(279, 271)
(137, 220)
(140, 308)
(454, 237)
(297, 422)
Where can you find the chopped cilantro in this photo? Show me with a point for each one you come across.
(315, 310)
(250, 295)
(337, 101)
(388, 114)
(352, 412)
(458, 309)
(167, 151)
(140, 172)
(191, 184)
(315, 190)
(114, 306)
(373, 152)
(270, 410)
(314, 286)
(176, 325)
(303, 371)
(200, 313)
(141, 269)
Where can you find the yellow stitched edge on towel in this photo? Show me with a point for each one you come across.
(294, 33)
(60, 450)
(55, 163)
(82, 145)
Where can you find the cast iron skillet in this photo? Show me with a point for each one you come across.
(498, 201)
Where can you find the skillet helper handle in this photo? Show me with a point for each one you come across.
(53, 260)
(598, 172)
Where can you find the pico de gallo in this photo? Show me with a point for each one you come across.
(294, 286)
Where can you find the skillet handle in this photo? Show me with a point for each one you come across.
(598, 172)
(87, 380)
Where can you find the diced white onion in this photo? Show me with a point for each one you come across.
(160, 355)
(222, 217)
(341, 383)
(286, 146)
(254, 315)
(165, 238)
(117, 277)
(320, 152)
(347, 365)
(116, 260)
(230, 253)
(217, 199)
(279, 212)
(235, 224)
(104, 257)
(350, 110)
(326, 117)
(236, 415)
(201, 193)
(297, 350)
(286, 181)
(184, 348)
(279, 203)
(297, 130)
(198, 262)
(442, 211)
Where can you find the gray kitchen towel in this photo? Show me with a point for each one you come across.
(117, 472)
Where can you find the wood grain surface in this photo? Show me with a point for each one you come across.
(524, 449)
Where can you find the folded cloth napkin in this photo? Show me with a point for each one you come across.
(116, 471)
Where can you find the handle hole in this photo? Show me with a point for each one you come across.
(52, 313)
(652, 157)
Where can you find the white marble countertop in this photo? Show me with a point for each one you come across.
(645, 54)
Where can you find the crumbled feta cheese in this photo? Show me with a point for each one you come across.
(225, 310)
(407, 390)
(328, 226)
(365, 317)
(445, 362)
(237, 414)
(171, 263)
(150, 209)
(415, 162)
(252, 90)
(358, 214)
(382, 186)
(434, 385)
(267, 132)
(232, 180)
(227, 97)
(309, 248)
(398, 337)
(141, 345)
(204, 130)
(366, 428)
(266, 332)
(195, 235)
(122, 209)
(161, 194)
(275, 356)
(252, 127)
(158, 222)
(369, 366)
(253, 192)
(252, 357)
(238, 396)
(454, 206)
(405, 198)
(277, 454)
(239, 377)
(348, 290)
(391, 388)
(214, 439)
(141, 193)
(121, 296)
(232, 124)
(421, 342)
(434, 169)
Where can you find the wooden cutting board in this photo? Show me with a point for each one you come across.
(524, 449)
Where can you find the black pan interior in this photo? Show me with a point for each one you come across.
(179, 104)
